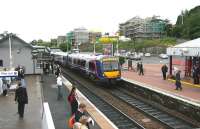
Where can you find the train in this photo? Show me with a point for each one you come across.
(97, 67)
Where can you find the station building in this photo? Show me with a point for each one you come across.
(21, 52)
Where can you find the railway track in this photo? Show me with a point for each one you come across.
(112, 112)
(121, 120)
(170, 121)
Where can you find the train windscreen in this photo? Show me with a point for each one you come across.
(110, 66)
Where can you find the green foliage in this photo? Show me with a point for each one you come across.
(64, 47)
(131, 45)
(190, 27)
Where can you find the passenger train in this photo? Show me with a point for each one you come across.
(97, 67)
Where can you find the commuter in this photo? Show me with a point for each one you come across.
(22, 98)
(73, 100)
(4, 86)
(82, 124)
(141, 69)
(59, 85)
(164, 70)
(80, 112)
(58, 71)
(21, 72)
(196, 74)
(130, 64)
(178, 80)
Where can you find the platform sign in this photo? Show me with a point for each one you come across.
(8, 73)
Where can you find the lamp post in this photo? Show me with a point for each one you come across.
(10, 50)
(34, 56)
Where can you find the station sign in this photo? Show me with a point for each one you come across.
(110, 59)
(8, 73)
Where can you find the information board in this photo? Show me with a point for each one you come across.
(8, 73)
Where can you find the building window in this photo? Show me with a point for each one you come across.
(1, 63)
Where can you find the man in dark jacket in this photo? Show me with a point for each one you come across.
(164, 70)
(22, 98)
(141, 69)
(178, 80)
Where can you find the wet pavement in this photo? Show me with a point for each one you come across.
(9, 118)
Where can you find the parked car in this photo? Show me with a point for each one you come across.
(163, 56)
(134, 56)
(147, 54)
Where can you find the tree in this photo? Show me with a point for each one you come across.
(65, 46)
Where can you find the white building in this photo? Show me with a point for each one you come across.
(81, 35)
(21, 54)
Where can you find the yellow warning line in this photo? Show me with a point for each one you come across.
(186, 83)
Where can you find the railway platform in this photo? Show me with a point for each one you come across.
(9, 118)
(153, 79)
(60, 110)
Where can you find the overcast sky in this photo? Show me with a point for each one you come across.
(46, 19)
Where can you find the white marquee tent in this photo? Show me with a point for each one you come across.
(189, 48)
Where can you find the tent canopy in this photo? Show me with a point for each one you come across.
(189, 48)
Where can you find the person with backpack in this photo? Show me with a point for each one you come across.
(22, 98)
(73, 100)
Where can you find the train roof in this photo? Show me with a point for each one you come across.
(88, 56)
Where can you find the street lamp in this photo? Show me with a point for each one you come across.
(34, 56)
(10, 50)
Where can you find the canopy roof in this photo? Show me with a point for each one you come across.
(189, 48)
(191, 43)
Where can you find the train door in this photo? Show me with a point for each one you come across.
(92, 70)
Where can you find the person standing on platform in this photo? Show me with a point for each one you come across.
(130, 64)
(195, 74)
(22, 98)
(59, 85)
(164, 70)
(178, 80)
(141, 69)
(73, 100)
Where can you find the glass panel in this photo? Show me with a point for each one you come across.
(110, 66)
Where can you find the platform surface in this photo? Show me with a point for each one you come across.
(60, 109)
(153, 77)
(9, 118)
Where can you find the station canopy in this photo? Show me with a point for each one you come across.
(189, 48)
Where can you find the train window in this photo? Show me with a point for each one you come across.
(91, 66)
(110, 66)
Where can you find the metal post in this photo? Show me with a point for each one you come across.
(117, 46)
(170, 65)
(10, 49)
